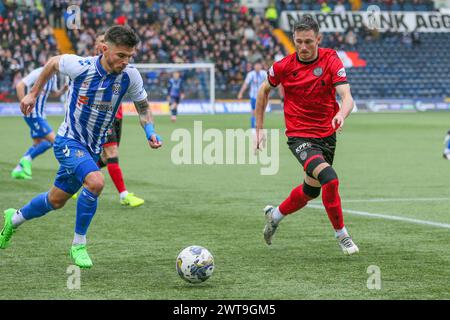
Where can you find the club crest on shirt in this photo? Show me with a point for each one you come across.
(303, 155)
(116, 88)
(318, 71)
(79, 154)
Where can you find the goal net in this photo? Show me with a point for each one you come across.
(198, 86)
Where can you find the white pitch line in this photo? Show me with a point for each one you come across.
(388, 217)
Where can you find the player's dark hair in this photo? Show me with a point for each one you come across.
(122, 36)
(306, 23)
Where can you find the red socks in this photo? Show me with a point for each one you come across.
(330, 198)
(296, 200)
(116, 175)
(332, 203)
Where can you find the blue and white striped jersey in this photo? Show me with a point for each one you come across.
(94, 97)
(39, 107)
(175, 88)
(254, 80)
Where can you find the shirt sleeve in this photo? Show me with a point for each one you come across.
(31, 78)
(136, 90)
(248, 78)
(73, 65)
(338, 74)
(274, 74)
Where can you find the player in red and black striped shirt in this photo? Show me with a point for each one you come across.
(311, 77)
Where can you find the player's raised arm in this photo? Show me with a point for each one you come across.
(262, 100)
(27, 103)
(343, 90)
(146, 120)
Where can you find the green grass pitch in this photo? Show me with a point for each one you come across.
(379, 157)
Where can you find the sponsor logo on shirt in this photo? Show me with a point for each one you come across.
(99, 106)
(82, 100)
(102, 106)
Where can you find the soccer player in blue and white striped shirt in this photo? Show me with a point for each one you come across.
(175, 94)
(40, 131)
(254, 80)
(97, 86)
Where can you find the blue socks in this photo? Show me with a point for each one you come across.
(86, 207)
(29, 151)
(37, 207)
(40, 148)
(253, 122)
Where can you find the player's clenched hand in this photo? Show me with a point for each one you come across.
(27, 104)
(260, 142)
(338, 122)
(155, 141)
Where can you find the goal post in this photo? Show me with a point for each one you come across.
(198, 81)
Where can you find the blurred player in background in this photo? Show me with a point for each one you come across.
(310, 77)
(446, 153)
(98, 85)
(253, 80)
(175, 94)
(41, 133)
(110, 154)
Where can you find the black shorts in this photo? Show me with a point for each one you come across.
(114, 133)
(306, 148)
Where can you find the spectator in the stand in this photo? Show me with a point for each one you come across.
(356, 4)
(272, 15)
(127, 8)
(350, 39)
(407, 39)
(325, 8)
(339, 8)
(225, 33)
(415, 38)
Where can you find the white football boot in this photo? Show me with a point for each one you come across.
(347, 245)
(271, 226)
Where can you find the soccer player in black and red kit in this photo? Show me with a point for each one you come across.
(311, 77)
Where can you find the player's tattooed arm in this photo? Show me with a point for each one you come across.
(146, 119)
(144, 112)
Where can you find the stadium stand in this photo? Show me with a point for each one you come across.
(233, 37)
(347, 5)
